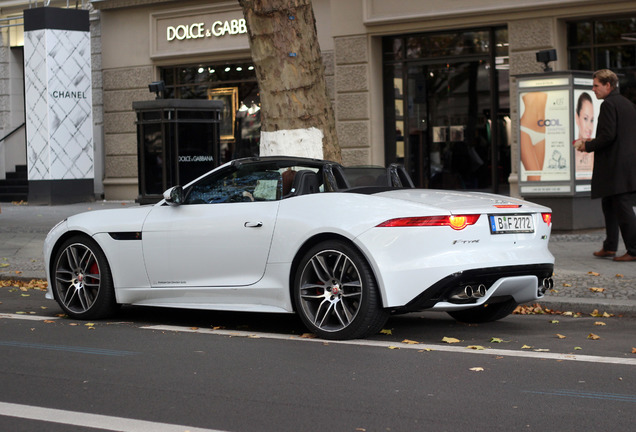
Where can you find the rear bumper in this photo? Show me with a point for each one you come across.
(521, 282)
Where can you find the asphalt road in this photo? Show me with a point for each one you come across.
(164, 369)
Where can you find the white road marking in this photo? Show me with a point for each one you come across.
(26, 317)
(401, 345)
(91, 420)
(379, 344)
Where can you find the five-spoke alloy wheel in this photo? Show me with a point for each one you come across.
(83, 284)
(336, 294)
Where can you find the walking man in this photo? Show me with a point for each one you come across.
(614, 174)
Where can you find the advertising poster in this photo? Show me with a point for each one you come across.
(545, 135)
(586, 110)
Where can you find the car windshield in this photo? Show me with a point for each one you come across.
(248, 183)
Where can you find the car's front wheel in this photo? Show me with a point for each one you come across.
(82, 281)
(336, 294)
(485, 313)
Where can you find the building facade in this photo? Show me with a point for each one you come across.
(429, 84)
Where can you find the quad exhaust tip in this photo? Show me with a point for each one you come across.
(471, 292)
(546, 284)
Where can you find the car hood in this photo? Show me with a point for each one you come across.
(121, 220)
(456, 202)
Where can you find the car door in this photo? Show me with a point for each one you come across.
(220, 236)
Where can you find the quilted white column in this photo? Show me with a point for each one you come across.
(59, 120)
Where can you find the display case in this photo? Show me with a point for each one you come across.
(556, 108)
(178, 140)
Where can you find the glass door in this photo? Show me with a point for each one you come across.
(446, 116)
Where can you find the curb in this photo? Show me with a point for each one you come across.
(624, 308)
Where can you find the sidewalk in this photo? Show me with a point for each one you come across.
(23, 229)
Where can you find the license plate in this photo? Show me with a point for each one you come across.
(507, 224)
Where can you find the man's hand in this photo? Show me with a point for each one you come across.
(579, 145)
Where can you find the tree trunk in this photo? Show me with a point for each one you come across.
(297, 115)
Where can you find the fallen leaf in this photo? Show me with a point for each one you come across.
(567, 285)
(542, 350)
(618, 275)
(597, 289)
(90, 324)
(49, 321)
(568, 314)
(593, 273)
(410, 342)
(425, 349)
(393, 347)
(194, 328)
(477, 369)
(593, 336)
(577, 348)
(450, 340)
(308, 336)
(633, 350)
(599, 323)
(4, 265)
(560, 336)
(554, 322)
(386, 331)
(476, 347)
(526, 347)
(496, 340)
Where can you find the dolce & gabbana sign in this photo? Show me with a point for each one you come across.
(199, 30)
(195, 31)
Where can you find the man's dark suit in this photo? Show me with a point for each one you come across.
(614, 176)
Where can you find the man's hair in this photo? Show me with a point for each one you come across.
(605, 76)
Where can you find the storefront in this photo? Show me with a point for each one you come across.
(199, 50)
(429, 84)
(436, 81)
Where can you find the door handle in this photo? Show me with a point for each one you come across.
(253, 224)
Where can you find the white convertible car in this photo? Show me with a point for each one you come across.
(342, 247)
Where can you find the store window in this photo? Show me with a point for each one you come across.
(234, 84)
(606, 43)
(447, 111)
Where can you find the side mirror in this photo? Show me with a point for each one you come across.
(174, 196)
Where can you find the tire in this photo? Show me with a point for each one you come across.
(82, 280)
(485, 313)
(336, 294)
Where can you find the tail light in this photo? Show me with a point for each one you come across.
(547, 218)
(456, 222)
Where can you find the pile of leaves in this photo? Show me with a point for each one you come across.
(537, 309)
(23, 285)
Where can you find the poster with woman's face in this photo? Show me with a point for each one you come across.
(586, 110)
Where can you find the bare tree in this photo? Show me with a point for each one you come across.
(297, 115)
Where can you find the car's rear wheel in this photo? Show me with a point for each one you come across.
(485, 313)
(336, 294)
(82, 281)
